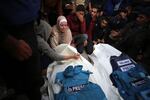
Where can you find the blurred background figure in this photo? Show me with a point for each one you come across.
(76, 21)
(19, 56)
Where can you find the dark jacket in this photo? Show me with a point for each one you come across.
(100, 32)
(16, 13)
(90, 25)
(133, 38)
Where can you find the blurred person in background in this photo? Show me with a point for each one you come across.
(19, 56)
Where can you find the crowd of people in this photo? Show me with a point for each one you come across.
(30, 31)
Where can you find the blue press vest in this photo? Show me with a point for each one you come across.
(75, 85)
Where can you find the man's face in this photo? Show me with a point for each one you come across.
(115, 33)
(141, 18)
(94, 12)
(103, 23)
(123, 14)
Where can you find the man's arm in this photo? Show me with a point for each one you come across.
(19, 49)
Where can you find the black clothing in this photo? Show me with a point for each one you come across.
(23, 76)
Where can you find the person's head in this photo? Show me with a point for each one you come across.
(80, 10)
(81, 39)
(129, 9)
(115, 31)
(123, 13)
(143, 16)
(80, 42)
(94, 11)
(103, 22)
(62, 23)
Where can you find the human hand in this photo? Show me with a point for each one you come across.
(80, 16)
(94, 42)
(18, 49)
(22, 51)
(100, 40)
(76, 56)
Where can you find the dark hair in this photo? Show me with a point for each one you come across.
(89, 48)
(80, 48)
(103, 18)
(95, 6)
(80, 38)
(145, 11)
(142, 10)
(123, 10)
(80, 8)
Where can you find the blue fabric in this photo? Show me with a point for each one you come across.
(110, 4)
(72, 76)
(16, 12)
(130, 78)
(76, 85)
(108, 8)
(90, 91)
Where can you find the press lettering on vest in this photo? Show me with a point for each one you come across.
(138, 82)
(75, 88)
(124, 62)
(127, 68)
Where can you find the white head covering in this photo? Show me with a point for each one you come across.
(61, 19)
(59, 37)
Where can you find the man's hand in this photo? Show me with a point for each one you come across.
(19, 49)
(80, 16)
(23, 50)
(76, 56)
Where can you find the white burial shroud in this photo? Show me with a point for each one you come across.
(101, 68)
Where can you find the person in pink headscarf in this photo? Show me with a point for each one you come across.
(60, 33)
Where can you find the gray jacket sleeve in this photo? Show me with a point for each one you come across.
(44, 47)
